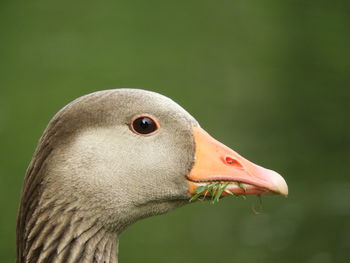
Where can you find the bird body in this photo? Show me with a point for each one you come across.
(106, 160)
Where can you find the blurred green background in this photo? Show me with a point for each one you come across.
(268, 78)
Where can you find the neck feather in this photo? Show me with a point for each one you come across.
(52, 229)
(57, 235)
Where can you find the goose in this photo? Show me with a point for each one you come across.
(111, 158)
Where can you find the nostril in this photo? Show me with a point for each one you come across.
(231, 161)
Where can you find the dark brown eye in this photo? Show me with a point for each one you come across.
(144, 125)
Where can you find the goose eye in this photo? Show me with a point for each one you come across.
(144, 125)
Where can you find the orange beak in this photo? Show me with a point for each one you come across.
(215, 162)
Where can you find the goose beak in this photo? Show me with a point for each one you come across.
(215, 162)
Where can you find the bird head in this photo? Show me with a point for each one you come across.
(122, 155)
